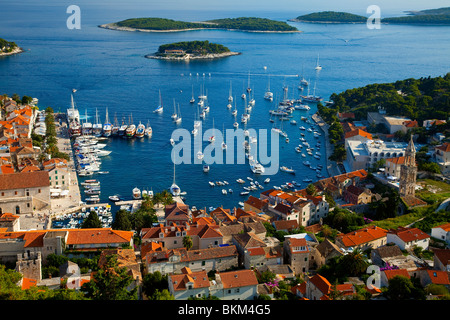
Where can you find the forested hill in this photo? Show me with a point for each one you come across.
(195, 47)
(417, 99)
(6, 46)
(332, 16)
(243, 23)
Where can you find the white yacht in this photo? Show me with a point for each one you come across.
(174, 188)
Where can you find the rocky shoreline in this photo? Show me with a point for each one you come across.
(15, 51)
(113, 26)
(188, 56)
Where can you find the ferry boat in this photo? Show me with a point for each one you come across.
(140, 131)
(288, 170)
(73, 118)
(130, 131)
(136, 193)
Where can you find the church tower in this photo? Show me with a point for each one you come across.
(408, 171)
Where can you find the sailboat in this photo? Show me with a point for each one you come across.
(174, 188)
(160, 107)
(97, 127)
(224, 145)
(248, 84)
(268, 95)
(313, 97)
(148, 130)
(115, 128)
(230, 97)
(107, 127)
(234, 112)
(178, 118)
(303, 81)
(86, 129)
(318, 67)
(174, 114)
(192, 99)
(212, 138)
(243, 95)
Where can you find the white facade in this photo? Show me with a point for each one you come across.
(441, 234)
(393, 238)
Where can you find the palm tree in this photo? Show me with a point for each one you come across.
(187, 242)
(354, 263)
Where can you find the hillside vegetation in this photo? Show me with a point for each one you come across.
(332, 16)
(243, 23)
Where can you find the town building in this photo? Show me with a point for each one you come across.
(441, 259)
(21, 193)
(407, 238)
(442, 157)
(408, 172)
(296, 254)
(365, 238)
(442, 232)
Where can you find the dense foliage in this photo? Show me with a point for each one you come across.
(417, 99)
(243, 23)
(7, 46)
(441, 19)
(253, 24)
(332, 16)
(194, 47)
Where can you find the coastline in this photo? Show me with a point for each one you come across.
(192, 57)
(15, 51)
(332, 167)
(113, 26)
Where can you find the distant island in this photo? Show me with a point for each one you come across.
(168, 25)
(8, 48)
(190, 50)
(331, 17)
(439, 16)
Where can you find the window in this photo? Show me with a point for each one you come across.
(229, 291)
(203, 262)
(15, 193)
(3, 194)
(236, 290)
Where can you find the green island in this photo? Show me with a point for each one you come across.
(249, 24)
(439, 16)
(8, 47)
(187, 50)
(331, 17)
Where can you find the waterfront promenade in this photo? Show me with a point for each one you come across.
(332, 167)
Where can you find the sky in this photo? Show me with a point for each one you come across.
(354, 6)
(300, 6)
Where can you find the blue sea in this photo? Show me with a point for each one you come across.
(108, 69)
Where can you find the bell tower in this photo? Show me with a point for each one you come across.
(408, 171)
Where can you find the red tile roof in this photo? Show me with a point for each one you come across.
(361, 236)
(396, 272)
(397, 160)
(197, 279)
(409, 234)
(438, 277)
(24, 180)
(444, 147)
(238, 278)
(98, 236)
(358, 132)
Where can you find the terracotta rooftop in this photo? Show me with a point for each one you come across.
(358, 237)
(238, 278)
(24, 180)
(409, 234)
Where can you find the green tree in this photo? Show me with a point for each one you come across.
(152, 282)
(162, 295)
(187, 242)
(110, 282)
(92, 221)
(311, 190)
(122, 221)
(353, 264)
